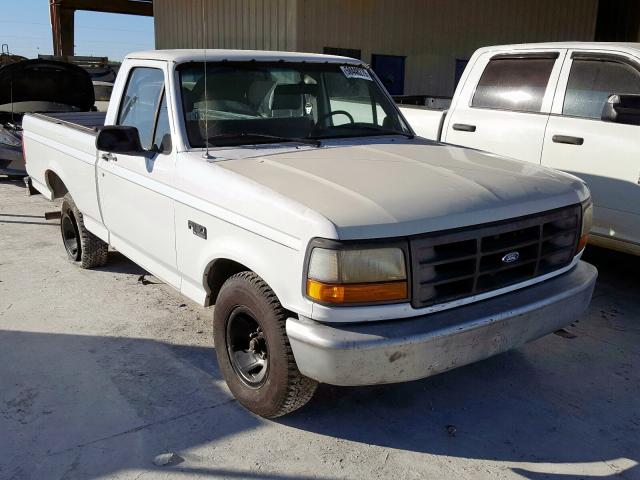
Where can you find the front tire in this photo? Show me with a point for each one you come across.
(253, 350)
(82, 246)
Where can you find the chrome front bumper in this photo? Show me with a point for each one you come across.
(401, 350)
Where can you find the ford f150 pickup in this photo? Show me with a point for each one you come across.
(571, 106)
(337, 247)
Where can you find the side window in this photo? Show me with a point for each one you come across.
(517, 84)
(591, 81)
(140, 102)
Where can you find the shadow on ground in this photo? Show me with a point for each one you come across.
(118, 263)
(557, 401)
(79, 406)
(12, 181)
(617, 272)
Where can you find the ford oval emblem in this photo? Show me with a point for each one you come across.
(511, 257)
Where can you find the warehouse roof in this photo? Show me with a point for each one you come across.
(215, 55)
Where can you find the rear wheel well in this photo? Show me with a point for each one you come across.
(56, 184)
(218, 272)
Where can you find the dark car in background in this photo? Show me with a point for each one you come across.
(7, 57)
(102, 71)
(36, 86)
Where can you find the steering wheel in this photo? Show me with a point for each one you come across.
(337, 112)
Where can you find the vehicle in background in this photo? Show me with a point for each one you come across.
(7, 57)
(103, 73)
(570, 106)
(36, 86)
(106, 74)
(430, 101)
(287, 189)
(99, 68)
(102, 92)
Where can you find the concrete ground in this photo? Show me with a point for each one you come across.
(100, 373)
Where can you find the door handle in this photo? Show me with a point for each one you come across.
(109, 157)
(463, 127)
(569, 140)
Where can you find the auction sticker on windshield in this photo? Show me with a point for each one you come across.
(356, 72)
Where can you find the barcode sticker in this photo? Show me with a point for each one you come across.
(356, 72)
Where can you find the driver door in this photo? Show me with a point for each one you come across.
(135, 190)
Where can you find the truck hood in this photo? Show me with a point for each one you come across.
(32, 83)
(402, 187)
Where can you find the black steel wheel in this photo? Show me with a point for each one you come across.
(70, 236)
(253, 350)
(82, 246)
(247, 347)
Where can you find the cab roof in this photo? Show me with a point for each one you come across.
(605, 46)
(217, 55)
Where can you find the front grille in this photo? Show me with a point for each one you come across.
(460, 263)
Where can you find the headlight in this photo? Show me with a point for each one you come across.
(351, 276)
(8, 139)
(587, 222)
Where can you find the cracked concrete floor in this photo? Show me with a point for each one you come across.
(99, 374)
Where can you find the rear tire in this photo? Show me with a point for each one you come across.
(82, 246)
(253, 350)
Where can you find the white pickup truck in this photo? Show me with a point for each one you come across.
(337, 247)
(571, 106)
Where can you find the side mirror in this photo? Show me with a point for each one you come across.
(119, 139)
(622, 109)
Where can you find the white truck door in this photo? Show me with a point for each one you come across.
(134, 190)
(504, 104)
(606, 155)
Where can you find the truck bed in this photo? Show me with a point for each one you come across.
(65, 143)
(426, 122)
(82, 120)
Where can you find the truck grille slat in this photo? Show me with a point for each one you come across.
(448, 280)
(511, 247)
(460, 263)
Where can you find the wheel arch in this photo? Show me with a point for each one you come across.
(55, 184)
(217, 272)
(230, 251)
(224, 266)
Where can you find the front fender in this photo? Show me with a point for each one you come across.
(278, 265)
(226, 250)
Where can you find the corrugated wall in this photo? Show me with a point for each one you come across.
(245, 24)
(432, 34)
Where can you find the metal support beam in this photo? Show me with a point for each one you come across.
(130, 7)
(63, 11)
(62, 28)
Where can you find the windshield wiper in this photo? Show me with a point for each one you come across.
(274, 138)
(380, 131)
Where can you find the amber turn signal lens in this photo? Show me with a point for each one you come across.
(583, 242)
(357, 292)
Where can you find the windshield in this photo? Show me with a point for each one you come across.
(248, 102)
